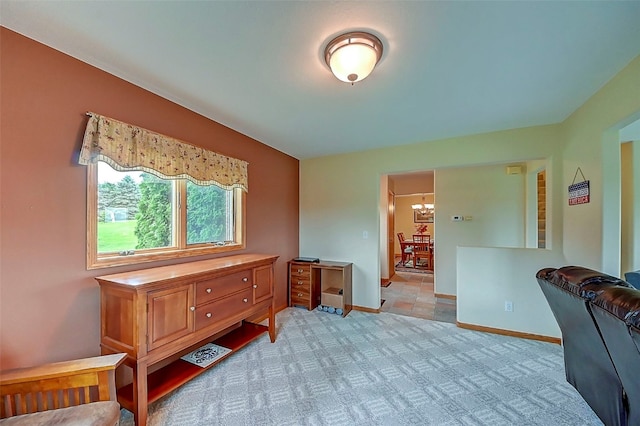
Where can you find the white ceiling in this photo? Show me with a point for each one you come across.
(448, 68)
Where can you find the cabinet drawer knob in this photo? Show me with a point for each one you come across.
(208, 290)
(208, 314)
(245, 300)
(245, 279)
(300, 271)
(299, 294)
(193, 308)
(300, 282)
(255, 286)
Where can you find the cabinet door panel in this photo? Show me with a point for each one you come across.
(262, 283)
(170, 316)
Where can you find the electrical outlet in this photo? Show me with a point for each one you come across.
(508, 306)
(365, 235)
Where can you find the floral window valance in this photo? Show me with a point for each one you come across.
(129, 148)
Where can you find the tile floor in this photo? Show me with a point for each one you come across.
(412, 294)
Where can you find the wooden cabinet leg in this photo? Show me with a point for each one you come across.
(140, 394)
(272, 323)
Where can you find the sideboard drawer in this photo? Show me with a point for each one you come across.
(222, 286)
(220, 309)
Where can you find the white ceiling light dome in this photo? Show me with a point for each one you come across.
(352, 56)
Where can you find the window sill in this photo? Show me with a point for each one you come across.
(133, 259)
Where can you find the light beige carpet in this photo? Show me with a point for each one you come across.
(378, 369)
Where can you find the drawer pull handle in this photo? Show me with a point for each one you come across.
(193, 308)
(245, 279)
(255, 286)
(300, 271)
(299, 294)
(208, 314)
(300, 282)
(208, 290)
(245, 300)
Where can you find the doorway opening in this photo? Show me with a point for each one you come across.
(629, 208)
(411, 198)
(408, 285)
(621, 198)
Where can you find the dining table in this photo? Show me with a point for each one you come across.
(410, 244)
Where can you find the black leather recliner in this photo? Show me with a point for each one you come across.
(617, 313)
(588, 366)
(634, 328)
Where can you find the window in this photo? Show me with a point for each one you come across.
(135, 216)
(153, 197)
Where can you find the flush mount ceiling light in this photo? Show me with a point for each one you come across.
(352, 56)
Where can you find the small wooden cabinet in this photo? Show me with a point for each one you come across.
(325, 282)
(303, 288)
(157, 315)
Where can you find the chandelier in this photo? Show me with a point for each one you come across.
(423, 208)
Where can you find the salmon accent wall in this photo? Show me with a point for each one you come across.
(49, 302)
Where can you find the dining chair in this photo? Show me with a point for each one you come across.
(422, 250)
(405, 248)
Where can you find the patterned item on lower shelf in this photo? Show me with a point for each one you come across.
(206, 355)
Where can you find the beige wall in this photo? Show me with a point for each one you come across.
(333, 214)
(591, 142)
(49, 302)
(496, 203)
(489, 276)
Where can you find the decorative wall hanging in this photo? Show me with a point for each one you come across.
(579, 192)
(422, 217)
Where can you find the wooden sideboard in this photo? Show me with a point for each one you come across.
(324, 282)
(159, 314)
